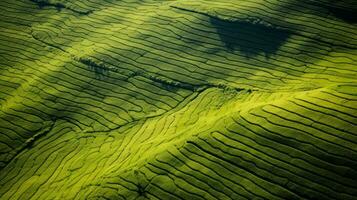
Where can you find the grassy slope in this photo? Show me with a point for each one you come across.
(178, 99)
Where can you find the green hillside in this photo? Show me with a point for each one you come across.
(178, 99)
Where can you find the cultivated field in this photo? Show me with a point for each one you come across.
(183, 99)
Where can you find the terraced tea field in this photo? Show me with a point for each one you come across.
(178, 99)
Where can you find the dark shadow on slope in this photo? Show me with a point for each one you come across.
(59, 6)
(348, 16)
(345, 10)
(250, 39)
(43, 4)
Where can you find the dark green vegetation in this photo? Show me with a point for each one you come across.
(185, 99)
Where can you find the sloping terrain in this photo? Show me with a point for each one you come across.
(184, 99)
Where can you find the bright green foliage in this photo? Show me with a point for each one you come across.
(185, 99)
